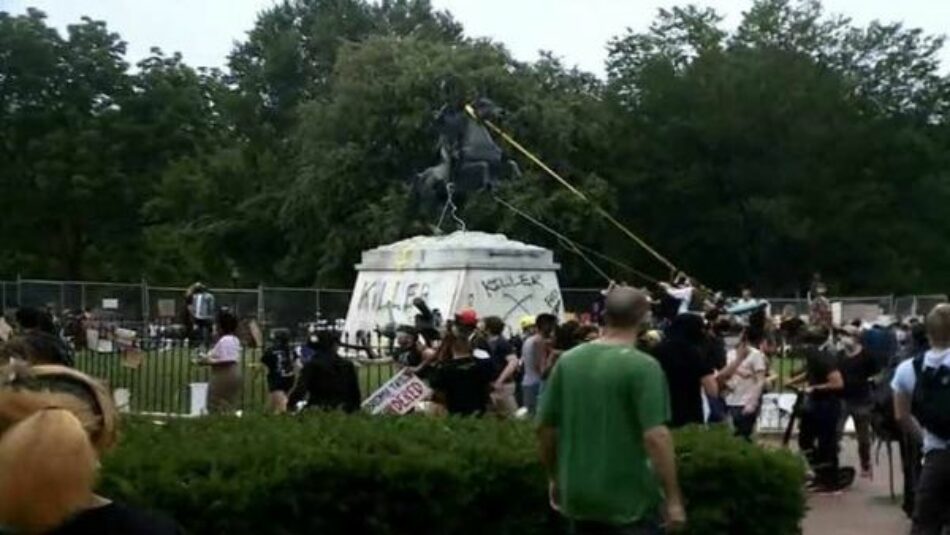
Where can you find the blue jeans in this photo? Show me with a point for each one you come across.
(530, 394)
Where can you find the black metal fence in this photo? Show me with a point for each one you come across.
(162, 377)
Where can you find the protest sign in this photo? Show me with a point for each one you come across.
(398, 395)
(5, 330)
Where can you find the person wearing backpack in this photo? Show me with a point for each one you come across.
(884, 421)
(922, 406)
(328, 381)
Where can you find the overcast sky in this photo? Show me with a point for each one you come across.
(576, 30)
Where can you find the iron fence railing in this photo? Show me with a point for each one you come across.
(157, 376)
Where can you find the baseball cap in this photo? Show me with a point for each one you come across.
(526, 322)
(467, 317)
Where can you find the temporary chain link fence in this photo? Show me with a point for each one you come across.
(136, 305)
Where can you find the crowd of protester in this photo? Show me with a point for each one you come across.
(610, 384)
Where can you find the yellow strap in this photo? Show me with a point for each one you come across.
(576, 247)
(537, 161)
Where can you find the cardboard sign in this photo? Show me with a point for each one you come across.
(398, 396)
(5, 330)
(132, 358)
(166, 308)
(125, 338)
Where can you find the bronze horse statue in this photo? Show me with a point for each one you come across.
(469, 159)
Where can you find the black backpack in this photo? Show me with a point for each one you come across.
(932, 398)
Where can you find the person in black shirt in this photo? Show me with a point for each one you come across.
(328, 381)
(714, 345)
(463, 375)
(281, 364)
(54, 424)
(791, 326)
(688, 371)
(504, 363)
(408, 351)
(818, 436)
(38, 341)
(857, 368)
(117, 519)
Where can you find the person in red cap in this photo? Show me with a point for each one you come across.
(467, 317)
(463, 373)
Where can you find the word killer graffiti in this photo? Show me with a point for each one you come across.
(382, 295)
(506, 282)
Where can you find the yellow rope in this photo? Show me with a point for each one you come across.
(577, 248)
(537, 161)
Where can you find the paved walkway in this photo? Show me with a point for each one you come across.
(865, 509)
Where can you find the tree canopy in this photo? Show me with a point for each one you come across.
(797, 142)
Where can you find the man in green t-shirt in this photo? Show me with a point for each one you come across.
(603, 434)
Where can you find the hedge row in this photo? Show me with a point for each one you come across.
(336, 474)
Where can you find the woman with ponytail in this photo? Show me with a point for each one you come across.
(54, 424)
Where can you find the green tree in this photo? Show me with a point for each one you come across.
(85, 144)
(784, 148)
(225, 203)
(360, 146)
(66, 200)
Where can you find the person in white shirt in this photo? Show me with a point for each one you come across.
(922, 406)
(682, 290)
(744, 380)
(224, 387)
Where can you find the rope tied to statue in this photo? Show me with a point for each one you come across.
(578, 193)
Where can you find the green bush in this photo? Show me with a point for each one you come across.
(330, 473)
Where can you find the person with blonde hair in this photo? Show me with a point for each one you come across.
(55, 423)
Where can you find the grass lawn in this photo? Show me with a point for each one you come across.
(159, 383)
(784, 369)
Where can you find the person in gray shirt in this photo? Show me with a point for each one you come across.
(533, 356)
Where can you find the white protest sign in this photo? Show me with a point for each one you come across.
(398, 395)
(5, 330)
